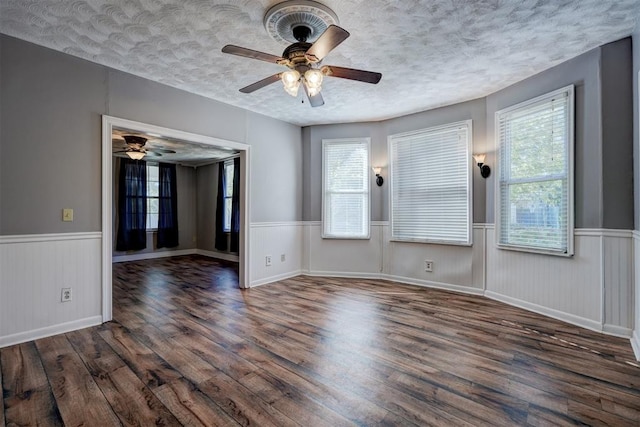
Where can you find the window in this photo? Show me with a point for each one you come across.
(535, 194)
(430, 184)
(228, 193)
(153, 194)
(345, 188)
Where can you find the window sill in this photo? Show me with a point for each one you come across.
(431, 242)
(538, 251)
(345, 237)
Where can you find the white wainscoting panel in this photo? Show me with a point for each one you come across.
(275, 239)
(344, 257)
(454, 267)
(618, 283)
(569, 285)
(591, 289)
(33, 271)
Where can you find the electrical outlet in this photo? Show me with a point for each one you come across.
(428, 265)
(66, 295)
(283, 258)
(267, 261)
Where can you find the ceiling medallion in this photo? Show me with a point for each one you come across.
(281, 19)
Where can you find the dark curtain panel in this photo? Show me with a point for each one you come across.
(221, 236)
(167, 206)
(132, 205)
(235, 207)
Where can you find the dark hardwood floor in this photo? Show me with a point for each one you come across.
(187, 347)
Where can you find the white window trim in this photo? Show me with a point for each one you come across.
(570, 171)
(348, 141)
(156, 164)
(469, 124)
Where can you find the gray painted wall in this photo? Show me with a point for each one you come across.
(312, 147)
(50, 138)
(206, 203)
(276, 169)
(603, 150)
(603, 169)
(617, 135)
(636, 131)
(186, 186)
(584, 73)
(379, 132)
(603, 143)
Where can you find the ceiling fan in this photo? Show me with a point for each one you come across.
(135, 148)
(303, 60)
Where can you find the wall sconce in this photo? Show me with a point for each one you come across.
(485, 170)
(379, 179)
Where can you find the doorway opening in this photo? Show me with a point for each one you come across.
(178, 147)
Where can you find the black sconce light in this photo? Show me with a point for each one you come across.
(379, 179)
(485, 170)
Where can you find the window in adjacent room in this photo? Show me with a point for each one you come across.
(431, 184)
(345, 188)
(535, 188)
(228, 193)
(153, 194)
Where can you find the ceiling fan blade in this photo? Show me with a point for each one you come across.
(152, 154)
(315, 100)
(260, 84)
(250, 53)
(351, 74)
(327, 41)
(160, 150)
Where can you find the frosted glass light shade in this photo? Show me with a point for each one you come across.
(291, 81)
(479, 158)
(135, 155)
(313, 81)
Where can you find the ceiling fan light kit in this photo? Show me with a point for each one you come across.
(136, 150)
(304, 20)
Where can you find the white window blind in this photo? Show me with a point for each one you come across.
(345, 183)
(430, 184)
(536, 174)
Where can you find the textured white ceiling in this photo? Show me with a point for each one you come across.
(431, 53)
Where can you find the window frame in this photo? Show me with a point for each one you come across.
(469, 161)
(570, 172)
(225, 164)
(360, 141)
(155, 165)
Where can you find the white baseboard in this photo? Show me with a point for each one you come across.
(153, 255)
(617, 331)
(431, 284)
(635, 344)
(275, 278)
(550, 312)
(399, 279)
(218, 255)
(345, 274)
(49, 331)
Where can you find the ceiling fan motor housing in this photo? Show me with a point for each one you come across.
(289, 20)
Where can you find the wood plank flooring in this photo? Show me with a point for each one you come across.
(187, 347)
